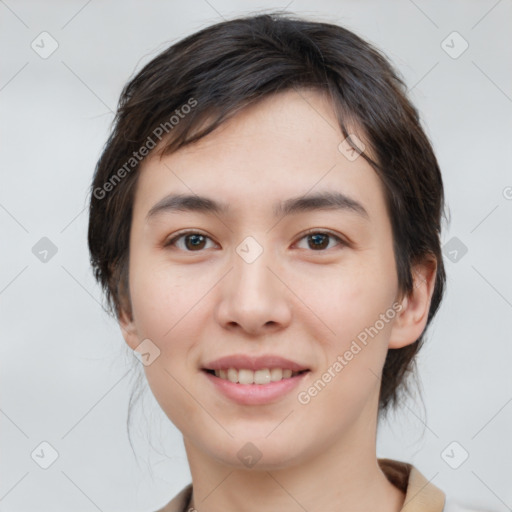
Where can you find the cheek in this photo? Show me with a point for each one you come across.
(356, 304)
(166, 306)
(358, 308)
(164, 297)
(349, 299)
(169, 388)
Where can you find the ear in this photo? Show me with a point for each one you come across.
(412, 318)
(128, 328)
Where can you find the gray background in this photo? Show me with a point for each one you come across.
(66, 372)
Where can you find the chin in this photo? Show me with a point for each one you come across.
(267, 462)
(259, 453)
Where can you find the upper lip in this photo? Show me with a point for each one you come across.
(243, 361)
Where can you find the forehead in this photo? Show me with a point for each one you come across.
(284, 146)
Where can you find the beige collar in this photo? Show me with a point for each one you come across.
(420, 494)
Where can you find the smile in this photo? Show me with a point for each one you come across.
(254, 380)
(249, 392)
(260, 377)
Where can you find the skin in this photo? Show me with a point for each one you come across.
(294, 300)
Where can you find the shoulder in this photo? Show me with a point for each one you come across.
(180, 503)
(420, 493)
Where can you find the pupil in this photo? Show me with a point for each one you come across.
(318, 238)
(195, 240)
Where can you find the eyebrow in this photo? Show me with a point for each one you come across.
(294, 205)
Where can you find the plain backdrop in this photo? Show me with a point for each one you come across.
(66, 373)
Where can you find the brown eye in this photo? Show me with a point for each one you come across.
(319, 240)
(192, 242)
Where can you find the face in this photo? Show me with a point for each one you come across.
(271, 282)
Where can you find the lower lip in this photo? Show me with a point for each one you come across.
(255, 394)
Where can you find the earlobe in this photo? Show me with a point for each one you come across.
(412, 319)
(128, 329)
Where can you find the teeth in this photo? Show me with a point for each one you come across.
(264, 376)
(232, 375)
(276, 374)
(261, 376)
(245, 376)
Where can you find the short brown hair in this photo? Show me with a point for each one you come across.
(229, 65)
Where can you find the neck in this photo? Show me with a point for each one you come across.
(345, 476)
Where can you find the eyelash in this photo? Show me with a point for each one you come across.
(341, 242)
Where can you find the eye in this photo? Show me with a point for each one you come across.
(319, 240)
(192, 241)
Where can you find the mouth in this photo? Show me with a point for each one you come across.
(246, 376)
(255, 380)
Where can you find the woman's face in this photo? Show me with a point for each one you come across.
(294, 271)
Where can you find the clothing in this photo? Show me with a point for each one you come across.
(420, 494)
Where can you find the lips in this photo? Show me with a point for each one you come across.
(260, 370)
(242, 361)
(252, 380)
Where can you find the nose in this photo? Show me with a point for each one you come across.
(254, 297)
